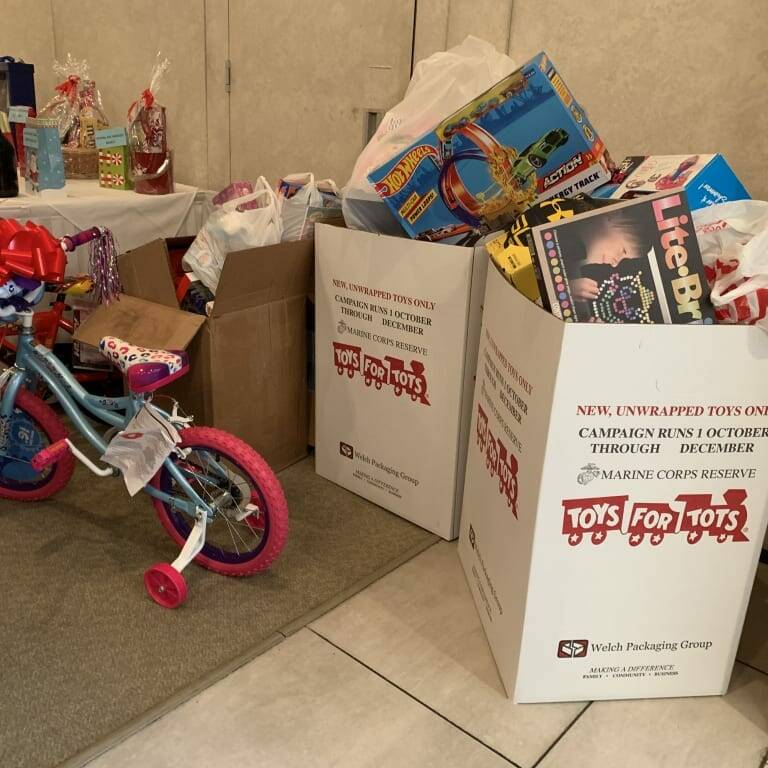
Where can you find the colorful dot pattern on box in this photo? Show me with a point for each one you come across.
(561, 287)
(623, 299)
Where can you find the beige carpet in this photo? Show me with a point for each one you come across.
(83, 650)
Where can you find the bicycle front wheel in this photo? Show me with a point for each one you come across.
(250, 526)
(33, 426)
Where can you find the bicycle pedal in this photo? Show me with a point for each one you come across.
(50, 455)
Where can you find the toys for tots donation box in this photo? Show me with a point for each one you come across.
(396, 337)
(614, 502)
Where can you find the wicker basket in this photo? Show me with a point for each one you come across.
(80, 163)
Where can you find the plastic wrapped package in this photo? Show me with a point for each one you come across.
(151, 159)
(440, 85)
(64, 107)
(733, 238)
(304, 202)
(234, 226)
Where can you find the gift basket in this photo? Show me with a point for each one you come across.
(78, 112)
(151, 159)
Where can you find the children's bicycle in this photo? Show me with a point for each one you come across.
(214, 495)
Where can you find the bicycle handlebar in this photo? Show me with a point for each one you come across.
(70, 242)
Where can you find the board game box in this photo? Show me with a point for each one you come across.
(633, 262)
(524, 139)
(707, 179)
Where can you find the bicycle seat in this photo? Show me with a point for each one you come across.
(145, 369)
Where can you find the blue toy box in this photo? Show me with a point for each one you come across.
(523, 140)
(706, 179)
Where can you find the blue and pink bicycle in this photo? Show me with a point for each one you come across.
(215, 495)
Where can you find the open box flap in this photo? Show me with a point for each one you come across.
(259, 276)
(144, 273)
(141, 322)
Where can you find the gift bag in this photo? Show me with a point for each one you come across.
(234, 226)
(733, 238)
(440, 85)
(303, 202)
(151, 159)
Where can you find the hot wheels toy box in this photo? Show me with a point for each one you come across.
(707, 179)
(615, 500)
(524, 139)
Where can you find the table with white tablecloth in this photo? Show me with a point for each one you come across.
(134, 219)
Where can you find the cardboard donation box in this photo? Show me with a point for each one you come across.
(248, 359)
(396, 338)
(615, 500)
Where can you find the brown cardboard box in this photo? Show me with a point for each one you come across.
(248, 370)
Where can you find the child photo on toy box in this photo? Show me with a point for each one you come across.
(637, 262)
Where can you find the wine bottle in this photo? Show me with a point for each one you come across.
(9, 181)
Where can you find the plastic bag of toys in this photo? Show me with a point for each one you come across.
(441, 84)
(733, 238)
(234, 226)
(304, 202)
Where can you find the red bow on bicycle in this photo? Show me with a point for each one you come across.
(29, 251)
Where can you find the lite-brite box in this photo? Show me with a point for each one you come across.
(635, 261)
(614, 502)
(707, 179)
(114, 159)
(524, 139)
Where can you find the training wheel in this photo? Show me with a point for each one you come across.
(165, 585)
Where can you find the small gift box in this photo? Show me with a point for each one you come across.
(44, 161)
(114, 159)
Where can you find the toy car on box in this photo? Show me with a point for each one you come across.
(523, 140)
(706, 179)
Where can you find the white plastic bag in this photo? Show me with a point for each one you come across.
(733, 238)
(234, 226)
(441, 84)
(140, 449)
(302, 200)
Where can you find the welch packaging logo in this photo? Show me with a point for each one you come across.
(691, 514)
(499, 461)
(346, 450)
(401, 173)
(572, 649)
(389, 372)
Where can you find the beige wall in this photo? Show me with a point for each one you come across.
(303, 76)
(120, 40)
(443, 23)
(26, 32)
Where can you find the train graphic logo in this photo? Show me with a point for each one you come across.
(499, 461)
(693, 515)
(382, 372)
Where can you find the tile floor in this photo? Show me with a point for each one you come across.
(402, 677)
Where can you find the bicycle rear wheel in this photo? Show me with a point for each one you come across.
(33, 426)
(250, 527)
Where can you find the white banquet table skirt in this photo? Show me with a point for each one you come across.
(134, 219)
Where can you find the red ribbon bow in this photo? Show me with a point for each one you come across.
(68, 87)
(29, 251)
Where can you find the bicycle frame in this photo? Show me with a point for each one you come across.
(37, 361)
